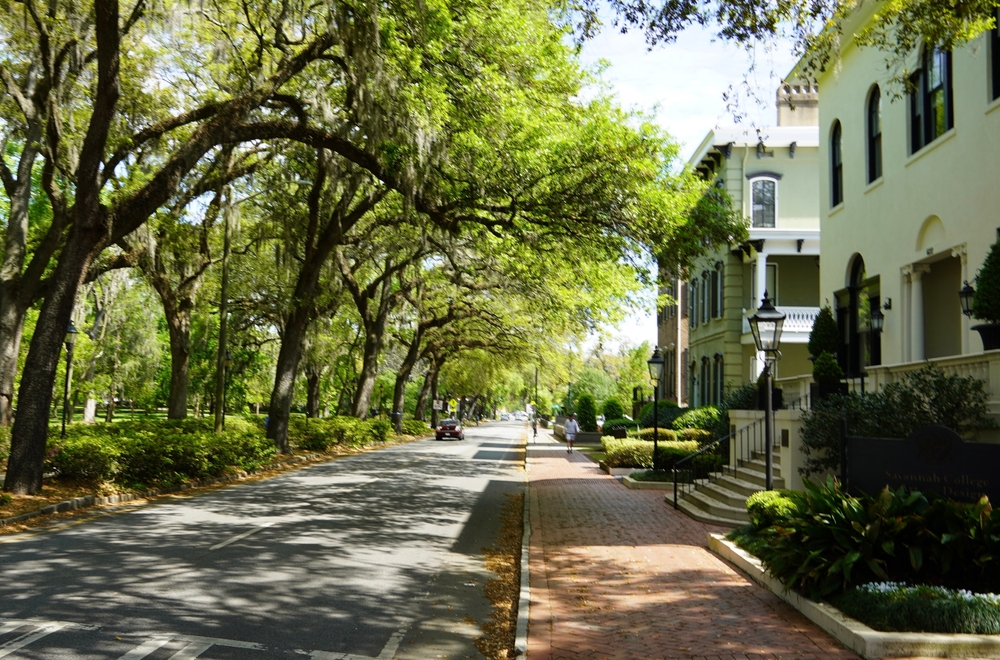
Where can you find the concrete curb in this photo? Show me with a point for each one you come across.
(629, 482)
(524, 599)
(858, 637)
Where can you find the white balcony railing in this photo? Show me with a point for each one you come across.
(797, 319)
(981, 366)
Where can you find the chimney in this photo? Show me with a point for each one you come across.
(798, 104)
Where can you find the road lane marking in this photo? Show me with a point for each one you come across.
(44, 630)
(10, 626)
(389, 650)
(240, 537)
(191, 651)
(145, 649)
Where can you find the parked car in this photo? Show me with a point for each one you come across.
(450, 428)
(504, 417)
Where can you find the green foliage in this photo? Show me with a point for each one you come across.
(824, 336)
(662, 435)
(829, 540)
(701, 436)
(986, 301)
(926, 396)
(4, 444)
(766, 507)
(5, 498)
(826, 369)
(630, 452)
(743, 397)
(652, 475)
(612, 409)
(666, 413)
(148, 453)
(619, 423)
(415, 427)
(705, 418)
(895, 607)
(747, 538)
(586, 413)
(314, 434)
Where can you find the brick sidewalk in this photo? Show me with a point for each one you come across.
(617, 573)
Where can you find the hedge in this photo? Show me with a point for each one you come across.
(315, 434)
(415, 427)
(705, 418)
(630, 452)
(140, 454)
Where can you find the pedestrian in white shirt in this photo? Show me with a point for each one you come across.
(570, 429)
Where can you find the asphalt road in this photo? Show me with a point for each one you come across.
(372, 556)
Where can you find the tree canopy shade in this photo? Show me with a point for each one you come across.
(361, 142)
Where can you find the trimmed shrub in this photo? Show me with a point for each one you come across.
(743, 397)
(619, 423)
(612, 409)
(630, 452)
(824, 336)
(662, 434)
(826, 369)
(139, 454)
(586, 413)
(415, 427)
(705, 418)
(895, 607)
(379, 430)
(767, 507)
(667, 412)
(697, 435)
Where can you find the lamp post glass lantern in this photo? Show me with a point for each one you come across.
(766, 328)
(70, 343)
(877, 320)
(965, 296)
(655, 364)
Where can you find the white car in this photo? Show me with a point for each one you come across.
(504, 417)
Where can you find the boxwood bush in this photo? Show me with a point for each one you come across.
(631, 452)
(705, 418)
(140, 454)
(896, 607)
(612, 409)
(767, 507)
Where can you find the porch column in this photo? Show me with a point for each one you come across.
(917, 312)
(761, 279)
(963, 254)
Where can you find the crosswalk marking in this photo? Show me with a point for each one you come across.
(145, 649)
(27, 638)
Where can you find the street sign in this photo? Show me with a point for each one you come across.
(454, 404)
(438, 404)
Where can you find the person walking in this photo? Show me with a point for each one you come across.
(570, 429)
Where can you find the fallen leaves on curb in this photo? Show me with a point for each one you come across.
(503, 591)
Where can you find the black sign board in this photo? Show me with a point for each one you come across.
(934, 459)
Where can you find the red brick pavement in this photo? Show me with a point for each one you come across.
(617, 573)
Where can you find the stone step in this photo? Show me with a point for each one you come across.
(707, 503)
(703, 516)
(737, 484)
(720, 492)
(758, 478)
(760, 465)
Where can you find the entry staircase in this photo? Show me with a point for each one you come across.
(719, 497)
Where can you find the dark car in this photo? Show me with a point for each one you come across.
(450, 428)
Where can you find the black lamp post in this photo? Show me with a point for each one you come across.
(766, 328)
(70, 343)
(655, 373)
(965, 296)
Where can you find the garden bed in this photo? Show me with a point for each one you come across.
(863, 640)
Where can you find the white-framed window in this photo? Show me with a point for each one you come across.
(764, 198)
(718, 287)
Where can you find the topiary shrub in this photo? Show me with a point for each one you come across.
(586, 413)
(986, 301)
(705, 418)
(826, 369)
(770, 507)
(635, 453)
(663, 435)
(824, 336)
(666, 411)
(612, 409)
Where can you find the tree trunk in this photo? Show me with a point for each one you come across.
(11, 326)
(27, 447)
(284, 378)
(312, 395)
(179, 327)
(369, 370)
(403, 375)
(425, 391)
(90, 410)
(435, 413)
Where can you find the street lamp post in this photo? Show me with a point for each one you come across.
(655, 364)
(766, 328)
(70, 343)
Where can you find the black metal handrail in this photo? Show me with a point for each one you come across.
(687, 471)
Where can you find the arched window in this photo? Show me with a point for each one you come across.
(836, 166)
(874, 134)
(765, 201)
(931, 99)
